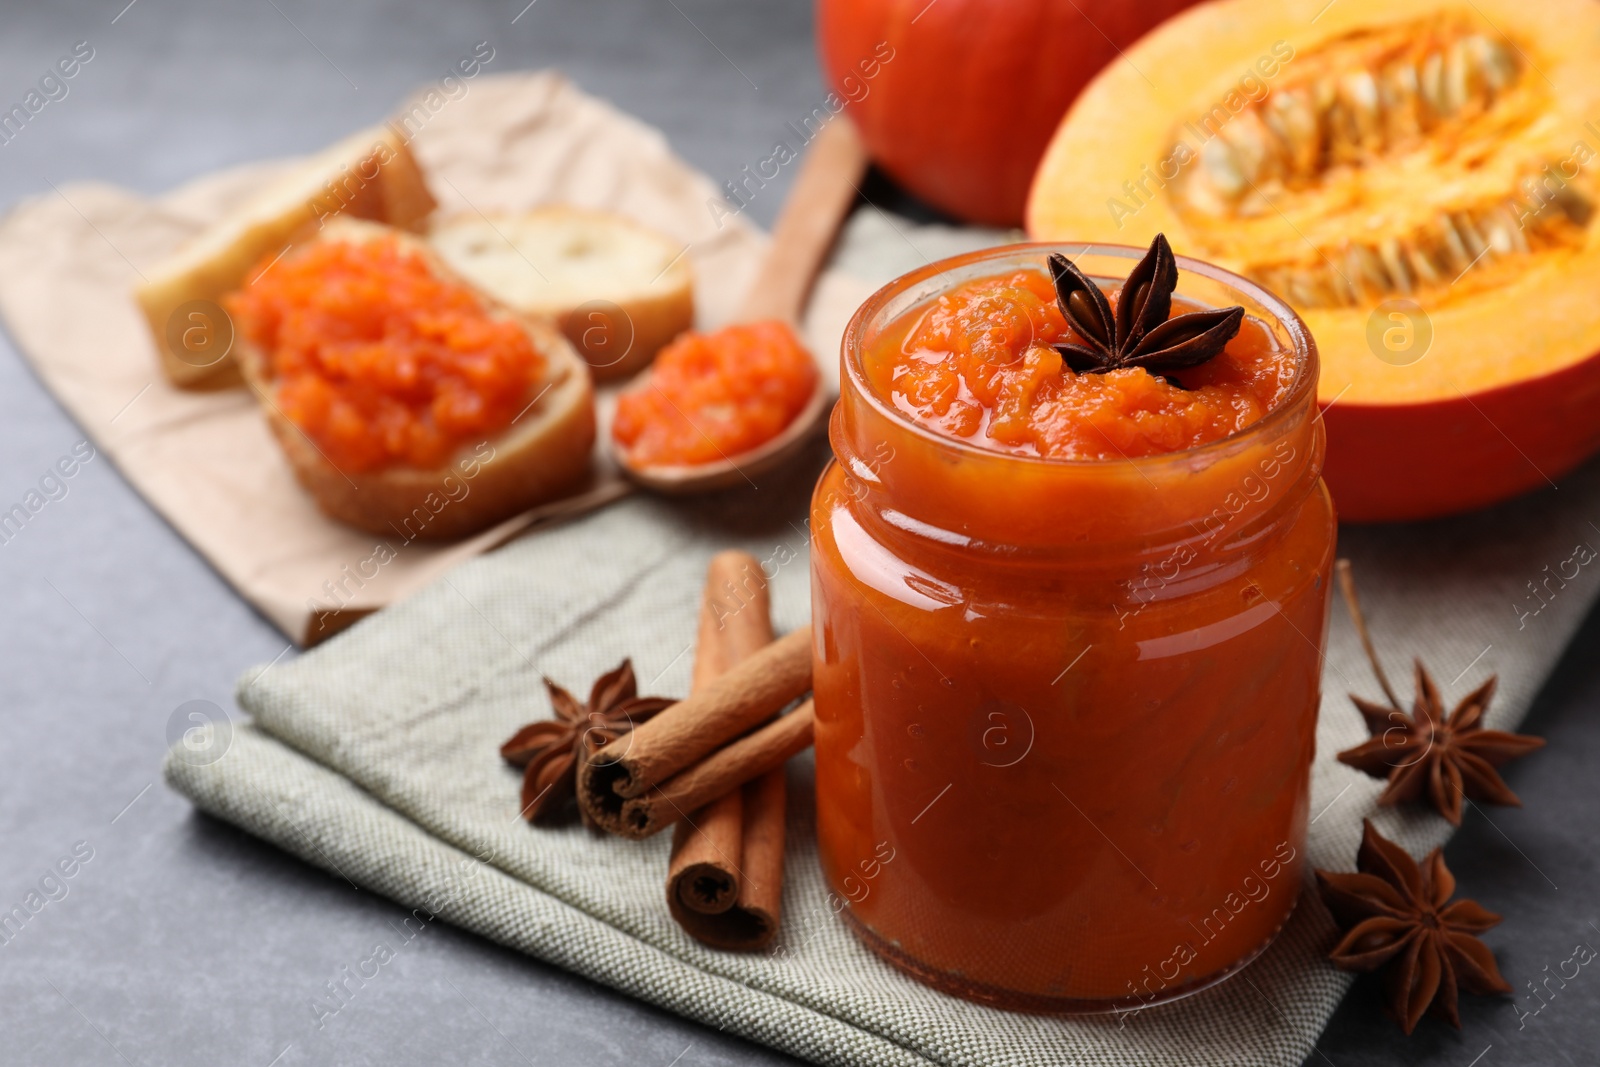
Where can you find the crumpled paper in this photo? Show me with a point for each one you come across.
(69, 260)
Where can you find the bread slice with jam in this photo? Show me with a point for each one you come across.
(472, 482)
(368, 175)
(618, 290)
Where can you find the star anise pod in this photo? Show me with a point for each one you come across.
(1398, 915)
(1143, 332)
(1444, 757)
(550, 749)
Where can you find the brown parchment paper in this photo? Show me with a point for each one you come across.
(206, 461)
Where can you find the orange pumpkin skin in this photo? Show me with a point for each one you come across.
(1479, 448)
(965, 94)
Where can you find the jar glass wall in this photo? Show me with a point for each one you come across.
(1066, 709)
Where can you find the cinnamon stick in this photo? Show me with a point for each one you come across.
(676, 740)
(735, 621)
(753, 921)
(735, 617)
(725, 878)
(707, 853)
(743, 761)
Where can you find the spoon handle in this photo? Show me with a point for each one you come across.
(817, 204)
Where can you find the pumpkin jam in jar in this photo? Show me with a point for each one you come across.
(1068, 637)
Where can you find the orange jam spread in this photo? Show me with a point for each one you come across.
(381, 361)
(711, 396)
(976, 364)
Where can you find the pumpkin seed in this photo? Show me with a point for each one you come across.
(1577, 207)
(1373, 271)
(1394, 262)
(1223, 168)
(1255, 147)
(1324, 94)
(1422, 264)
(1433, 86)
(1476, 245)
(1359, 94)
(1401, 119)
(1458, 81)
(1459, 259)
(1495, 61)
(1307, 291)
(1344, 279)
(1291, 116)
(1503, 232)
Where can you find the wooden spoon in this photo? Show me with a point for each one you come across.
(822, 195)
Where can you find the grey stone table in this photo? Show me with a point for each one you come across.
(180, 940)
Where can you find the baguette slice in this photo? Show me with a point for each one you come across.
(368, 175)
(618, 291)
(543, 455)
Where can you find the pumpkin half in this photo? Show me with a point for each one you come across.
(1418, 178)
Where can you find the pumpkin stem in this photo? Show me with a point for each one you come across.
(1347, 585)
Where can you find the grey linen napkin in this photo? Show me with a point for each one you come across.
(375, 757)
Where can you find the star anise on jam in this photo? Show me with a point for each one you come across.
(1398, 915)
(549, 750)
(1143, 332)
(1430, 753)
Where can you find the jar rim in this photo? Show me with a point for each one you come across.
(1304, 346)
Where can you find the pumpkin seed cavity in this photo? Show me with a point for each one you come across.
(1393, 161)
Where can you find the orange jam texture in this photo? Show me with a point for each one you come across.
(975, 364)
(711, 396)
(380, 361)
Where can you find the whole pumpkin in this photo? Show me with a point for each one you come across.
(956, 99)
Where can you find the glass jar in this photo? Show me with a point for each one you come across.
(1066, 710)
